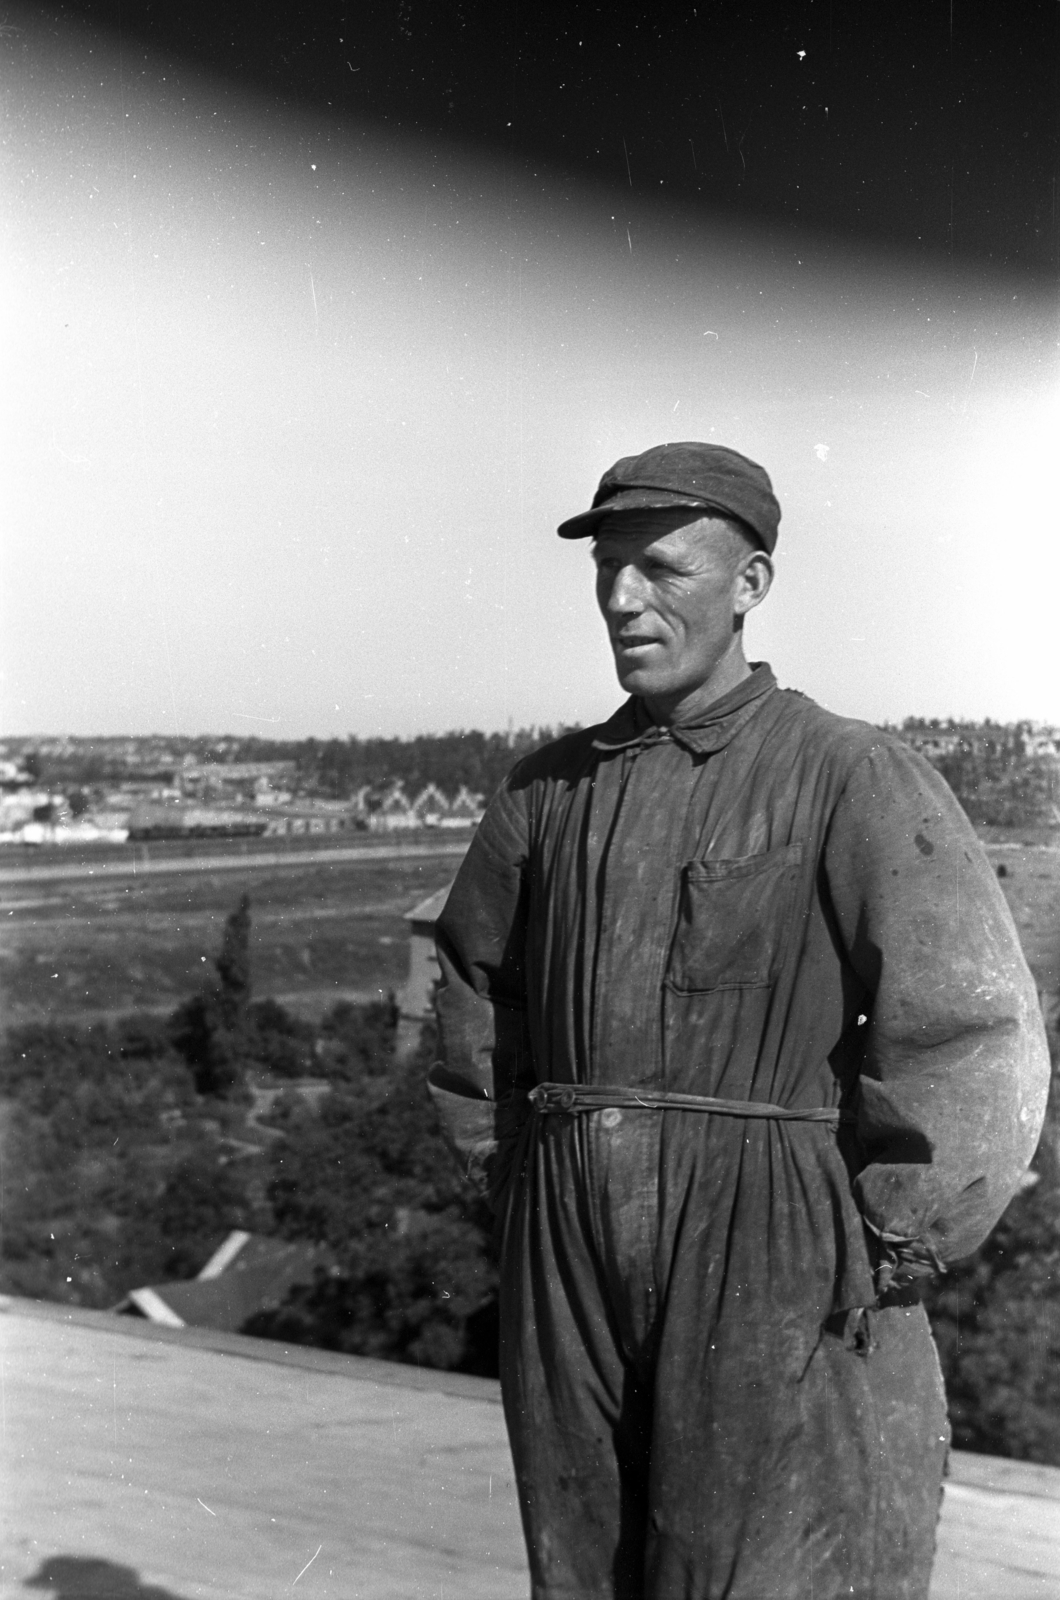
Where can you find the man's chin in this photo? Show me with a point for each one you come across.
(640, 680)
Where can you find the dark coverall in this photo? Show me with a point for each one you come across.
(714, 1383)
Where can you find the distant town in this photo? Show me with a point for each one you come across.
(79, 791)
(83, 790)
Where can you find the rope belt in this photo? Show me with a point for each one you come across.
(572, 1098)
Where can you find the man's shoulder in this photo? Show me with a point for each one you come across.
(803, 732)
(825, 735)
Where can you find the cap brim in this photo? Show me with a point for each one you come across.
(587, 524)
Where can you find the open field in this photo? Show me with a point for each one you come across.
(326, 919)
(324, 927)
(1031, 881)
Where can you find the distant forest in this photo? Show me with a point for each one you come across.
(1002, 787)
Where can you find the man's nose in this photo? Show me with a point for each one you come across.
(627, 591)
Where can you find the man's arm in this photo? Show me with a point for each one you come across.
(480, 1084)
(956, 1067)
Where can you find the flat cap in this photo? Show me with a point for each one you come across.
(706, 476)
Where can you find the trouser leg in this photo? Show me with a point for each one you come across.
(914, 1437)
(770, 1484)
(725, 1448)
(578, 1413)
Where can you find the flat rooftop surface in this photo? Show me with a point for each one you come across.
(143, 1463)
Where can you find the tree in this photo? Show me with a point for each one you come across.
(233, 965)
(209, 1030)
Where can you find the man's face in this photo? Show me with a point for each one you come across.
(670, 596)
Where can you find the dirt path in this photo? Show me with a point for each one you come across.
(153, 867)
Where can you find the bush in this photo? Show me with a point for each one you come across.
(173, 1235)
(401, 1297)
(278, 1043)
(358, 1041)
(371, 1177)
(108, 1193)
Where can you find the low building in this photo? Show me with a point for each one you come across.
(196, 776)
(108, 820)
(82, 831)
(287, 821)
(934, 745)
(465, 811)
(393, 813)
(13, 775)
(415, 999)
(266, 794)
(245, 1275)
(23, 805)
(430, 807)
(154, 822)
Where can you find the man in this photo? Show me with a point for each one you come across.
(738, 1035)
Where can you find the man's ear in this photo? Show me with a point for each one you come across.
(753, 582)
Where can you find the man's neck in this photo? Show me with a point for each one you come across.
(689, 709)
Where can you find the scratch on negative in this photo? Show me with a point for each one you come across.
(205, 1507)
(309, 1563)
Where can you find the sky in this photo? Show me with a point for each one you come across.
(295, 401)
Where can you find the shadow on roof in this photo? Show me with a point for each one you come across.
(92, 1578)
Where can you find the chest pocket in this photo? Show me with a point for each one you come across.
(732, 920)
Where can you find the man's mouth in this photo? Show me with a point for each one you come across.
(633, 641)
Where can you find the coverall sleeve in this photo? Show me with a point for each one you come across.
(480, 1085)
(956, 1068)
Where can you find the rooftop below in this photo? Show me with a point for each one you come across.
(149, 1463)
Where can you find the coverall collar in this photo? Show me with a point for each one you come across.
(631, 724)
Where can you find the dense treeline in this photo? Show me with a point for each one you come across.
(480, 760)
(996, 770)
(335, 768)
(1002, 787)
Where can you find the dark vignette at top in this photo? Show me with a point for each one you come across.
(930, 125)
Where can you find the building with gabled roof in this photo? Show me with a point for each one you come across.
(465, 811)
(430, 806)
(246, 1274)
(393, 812)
